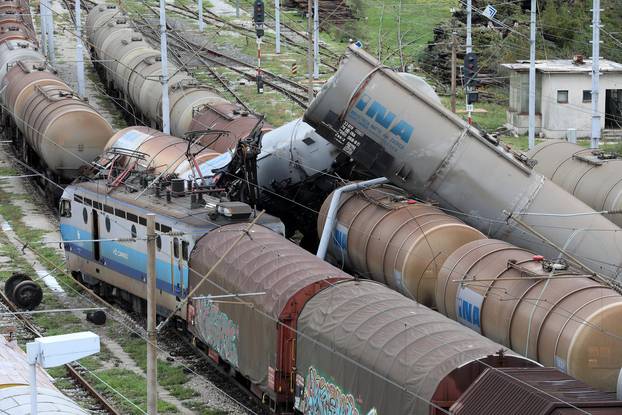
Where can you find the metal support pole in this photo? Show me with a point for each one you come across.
(33, 388)
(532, 76)
(237, 8)
(201, 22)
(334, 206)
(469, 42)
(277, 25)
(79, 51)
(259, 75)
(453, 72)
(316, 39)
(469, 49)
(50, 32)
(152, 354)
(309, 50)
(43, 27)
(595, 73)
(166, 128)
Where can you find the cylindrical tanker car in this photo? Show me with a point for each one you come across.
(15, 385)
(383, 235)
(131, 67)
(593, 176)
(395, 130)
(56, 131)
(537, 308)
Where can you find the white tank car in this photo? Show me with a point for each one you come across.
(291, 154)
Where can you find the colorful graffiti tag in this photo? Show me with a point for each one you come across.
(217, 330)
(324, 398)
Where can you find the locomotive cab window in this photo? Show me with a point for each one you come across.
(65, 208)
(107, 223)
(176, 247)
(133, 230)
(159, 242)
(184, 250)
(85, 215)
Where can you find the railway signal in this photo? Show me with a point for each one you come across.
(470, 69)
(259, 17)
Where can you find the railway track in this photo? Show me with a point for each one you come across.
(298, 40)
(293, 90)
(106, 406)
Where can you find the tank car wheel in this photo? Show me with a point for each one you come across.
(27, 295)
(13, 281)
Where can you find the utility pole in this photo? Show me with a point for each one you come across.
(237, 8)
(532, 76)
(595, 73)
(43, 26)
(316, 39)
(309, 50)
(453, 72)
(166, 128)
(469, 49)
(152, 355)
(201, 22)
(50, 32)
(277, 25)
(79, 52)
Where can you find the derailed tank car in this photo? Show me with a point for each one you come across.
(311, 336)
(537, 307)
(395, 130)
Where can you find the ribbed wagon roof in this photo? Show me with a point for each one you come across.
(533, 391)
(380, 338)
(263, 261)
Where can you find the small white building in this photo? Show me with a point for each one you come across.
(564, 97)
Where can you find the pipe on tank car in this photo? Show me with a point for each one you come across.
(332, 210)
(538, 308)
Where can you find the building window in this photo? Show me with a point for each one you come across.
(562, 96)
(587, 95)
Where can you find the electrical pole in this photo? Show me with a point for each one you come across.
(152, 354)
(277, 25)
(50, 32)
(532, 76)
(201, 22)
(453, 72)
(469, 49)
(43, 27)
(79, 52)
(166, 128)
(316, 39)
(595, 73)
(309, 50)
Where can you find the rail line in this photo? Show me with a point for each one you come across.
(293, 90)
(211, 16)
(71, 371)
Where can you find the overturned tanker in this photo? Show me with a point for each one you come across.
(394, 129)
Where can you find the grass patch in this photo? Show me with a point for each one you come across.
(132, 386)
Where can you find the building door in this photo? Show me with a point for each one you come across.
(613, 108)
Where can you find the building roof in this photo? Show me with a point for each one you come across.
(534, 391)
(564, 66)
